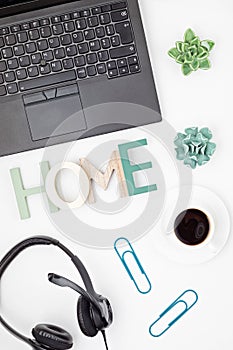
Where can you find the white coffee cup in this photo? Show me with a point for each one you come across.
(210, 233)
(168, 244)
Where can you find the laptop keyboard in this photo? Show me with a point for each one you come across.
(72, 46)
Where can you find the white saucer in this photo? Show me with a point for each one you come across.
(203, 199)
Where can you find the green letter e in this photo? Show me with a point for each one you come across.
(130, 169)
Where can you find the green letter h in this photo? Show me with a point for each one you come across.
(21, 193)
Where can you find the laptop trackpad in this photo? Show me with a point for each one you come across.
(54, 112)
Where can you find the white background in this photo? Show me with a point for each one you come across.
(202, 99)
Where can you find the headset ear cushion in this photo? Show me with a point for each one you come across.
(85, 319)
(52, 336)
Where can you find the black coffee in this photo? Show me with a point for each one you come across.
(192, 227)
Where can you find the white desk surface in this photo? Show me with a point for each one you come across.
(202, 99)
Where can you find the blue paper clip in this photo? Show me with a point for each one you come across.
(179, 300)
(130, 250)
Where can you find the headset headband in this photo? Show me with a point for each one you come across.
(90, 293)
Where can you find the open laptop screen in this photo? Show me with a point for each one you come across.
(12, 7)
(7, 3)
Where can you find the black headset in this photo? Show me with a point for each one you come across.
(94, 311)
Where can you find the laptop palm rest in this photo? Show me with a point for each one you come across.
(54, 112)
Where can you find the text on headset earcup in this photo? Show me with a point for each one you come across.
(52, 336)
(85, 318)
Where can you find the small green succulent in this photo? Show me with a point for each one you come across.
(194, 146)
(192, 53)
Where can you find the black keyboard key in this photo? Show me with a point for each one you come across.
(10, 40)
(85, 13)
(95, 45)
(69, 27)
(59, 53)
(15, 28)
(103, 56)
(135, 68)
(91, 71)
(4, 31)
(110, 30)
(91, 58)
(7, 53)
(105, 18)
(68, 63)
(122, 63)
(1, 79)
(45, 32)
(34, 34)
(47, 55)
(57, 29)
(3, 66)
(123, 51)
(123, 70)
(2, 90)
(53, 42)
(56, 66)
(81, 24)
(83, 48)
(65, 39)
(30, 47)
(33, 72)
(21, 74)
(119, 16)
(133, 60)
(125, 32)
(115, 40)
(106, 8)
(12, 88)
(75, 15)
(101, 68)
(89, 34)
(113, 73)
(24, 61)
(2, 42)
(96, 10)
(78, 37)
(66, 17)
(56, 19)
(22, 37)
(119, 5)
(100, 32)
(82, 73)
(42, 45)
(44, 22)
(36, 58)
(45, 69)
(111, 65)
(80, 61)
(19, 50)
(25, 26)
(9, 77)
(35, 24)
(105, 43)
(13, 64)
(93, 21)
(71, 51)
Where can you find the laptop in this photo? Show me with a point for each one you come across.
(59, 59)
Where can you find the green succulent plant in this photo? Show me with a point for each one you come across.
(194, 146)
(192, 53)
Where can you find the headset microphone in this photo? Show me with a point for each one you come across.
(94, 311)
(64, 282)
(102, 306)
